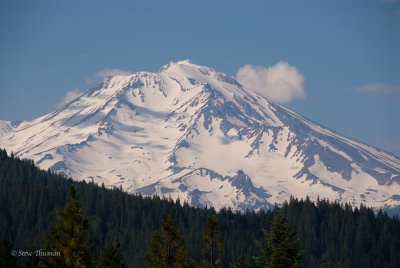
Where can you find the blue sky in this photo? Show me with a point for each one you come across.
(348, 52)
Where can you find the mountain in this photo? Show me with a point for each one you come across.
(191, 132)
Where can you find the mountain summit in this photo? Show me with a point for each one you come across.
(193, 133)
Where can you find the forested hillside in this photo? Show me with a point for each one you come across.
(330, 235)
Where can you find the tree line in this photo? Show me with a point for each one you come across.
(116, 228)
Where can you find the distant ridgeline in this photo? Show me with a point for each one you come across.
(331, 235)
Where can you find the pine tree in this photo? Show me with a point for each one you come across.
(67, 236)
(166, 249)
(214, 244)
(280, 249)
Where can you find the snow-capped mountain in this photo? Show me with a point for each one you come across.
(191, 132)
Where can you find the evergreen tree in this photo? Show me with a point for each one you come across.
(166, 249)
(280, 249)
(67, 236)
(214, 245)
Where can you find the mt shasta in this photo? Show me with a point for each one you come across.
(191, 132)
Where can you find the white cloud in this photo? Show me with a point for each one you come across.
(100, 75)
(71, 95)
(280, 82)
(379, 88)
(112, 72)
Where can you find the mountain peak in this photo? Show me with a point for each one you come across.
(185, 62)
(189, 131)
(185, 66)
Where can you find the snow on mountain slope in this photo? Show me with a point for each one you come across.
(191, 132)
(7, 127)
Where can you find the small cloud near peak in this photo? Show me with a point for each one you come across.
(70, 96)
(100, 75)
(281, 82)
